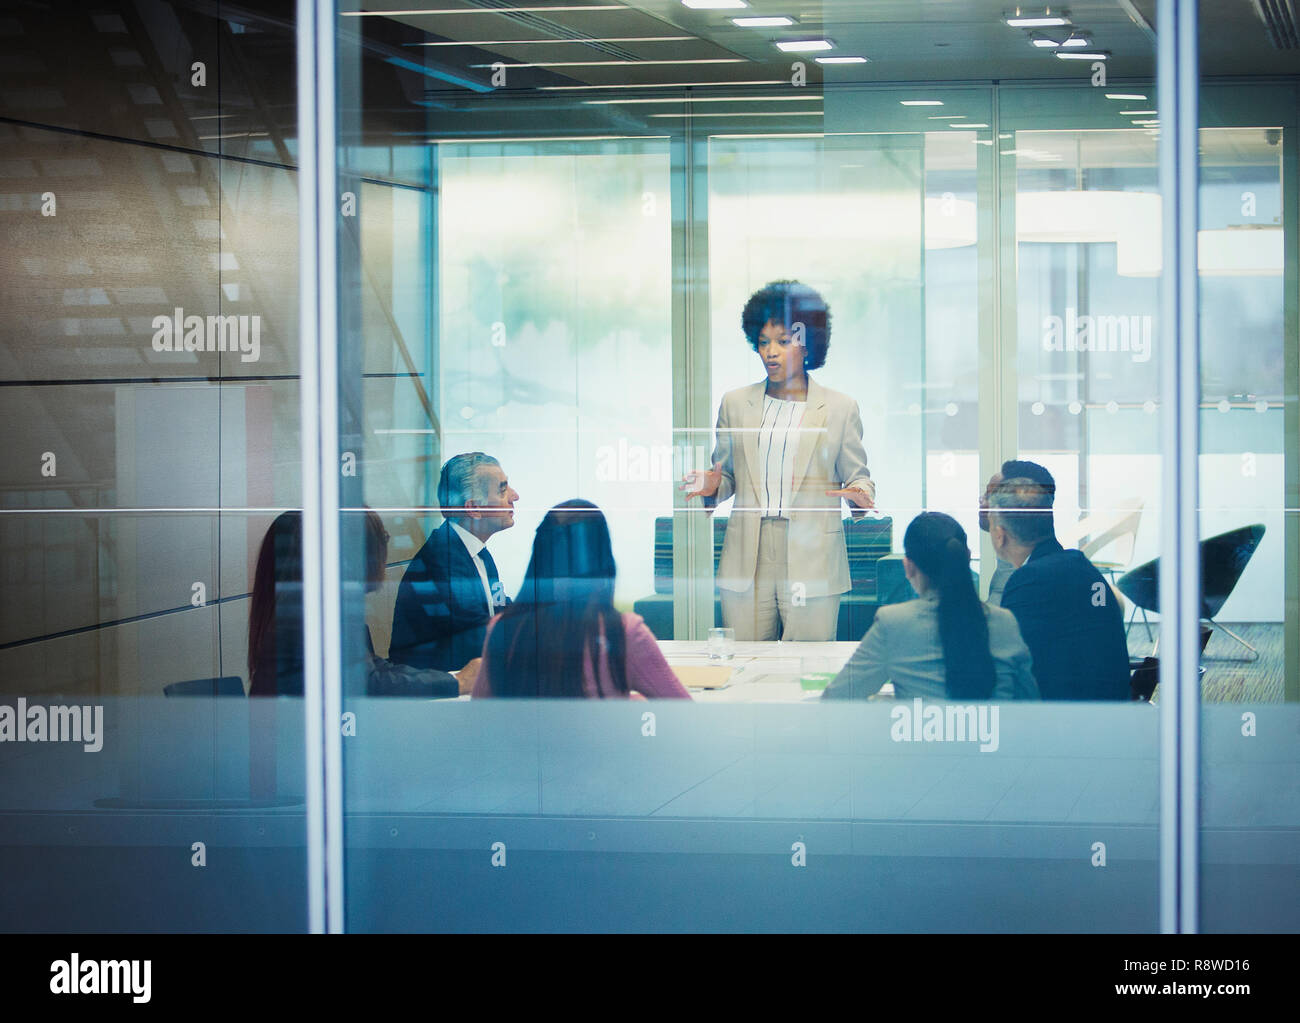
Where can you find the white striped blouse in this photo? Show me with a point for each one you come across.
(778, 440)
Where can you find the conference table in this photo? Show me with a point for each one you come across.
(762, 672)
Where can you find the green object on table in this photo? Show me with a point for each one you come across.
(815, 680)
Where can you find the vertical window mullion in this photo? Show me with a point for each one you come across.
(1177, 77)
(318, 384)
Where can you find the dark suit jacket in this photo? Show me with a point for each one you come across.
(385, 678)
(1072, 623)
(441, 615)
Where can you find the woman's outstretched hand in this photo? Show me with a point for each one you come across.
(854, 495)
(703, 484)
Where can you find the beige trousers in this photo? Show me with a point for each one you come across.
(773, 608)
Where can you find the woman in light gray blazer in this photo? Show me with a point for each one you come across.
(788, 449)
(944, 645)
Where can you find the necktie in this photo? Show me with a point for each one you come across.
(494, 580)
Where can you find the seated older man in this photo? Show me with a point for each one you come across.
(451, 588)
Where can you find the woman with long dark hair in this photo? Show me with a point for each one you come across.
(945, 644)
(275, 654)
(562, 636)
(275, 637)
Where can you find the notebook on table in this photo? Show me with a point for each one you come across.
(703, 676)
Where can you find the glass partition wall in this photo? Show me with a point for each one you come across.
(152, 433)
(562, 255)
(1249, 380)
(609, 191)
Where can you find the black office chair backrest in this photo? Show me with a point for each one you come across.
(866, 540)
(228, 685)
(1223, 559)
(1142, 585)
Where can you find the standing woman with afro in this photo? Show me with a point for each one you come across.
(788, 449)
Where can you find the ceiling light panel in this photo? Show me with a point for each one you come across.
(804, 45)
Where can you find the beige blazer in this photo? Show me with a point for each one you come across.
(903, 646)
(830, 456)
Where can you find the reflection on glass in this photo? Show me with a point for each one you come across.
(554, 327)
(619, 257)
(1250, 655)
(149, 334)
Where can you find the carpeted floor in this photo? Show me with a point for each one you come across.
(1230, 676)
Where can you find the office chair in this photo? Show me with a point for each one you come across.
(1223, 559)
(892, 586)
(228, 685)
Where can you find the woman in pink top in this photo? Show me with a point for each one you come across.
(563, 636)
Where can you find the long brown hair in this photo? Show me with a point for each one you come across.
(275, 611)
(275, 650)
(565, 610)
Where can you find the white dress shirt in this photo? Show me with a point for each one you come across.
(778, 440)
(474, 545)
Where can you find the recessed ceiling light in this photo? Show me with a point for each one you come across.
(1077, 39)
(1078, 55)
(713, 5)
(1043, 41)
(964, 126)
(1151, 123)
(1045, 20)
(804, 45)
(842, 60)
(776, 21)
(1125, 95)
(1138, 113)
(921, 102)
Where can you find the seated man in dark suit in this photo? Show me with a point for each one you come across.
(451, 588)
(1070, 618)
(1011, 469)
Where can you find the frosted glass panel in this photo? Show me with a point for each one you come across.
(555, 326)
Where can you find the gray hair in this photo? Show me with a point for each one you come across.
(461, 481)
(1023, 508)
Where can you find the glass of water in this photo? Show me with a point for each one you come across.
(816, 673)
(722, 644)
